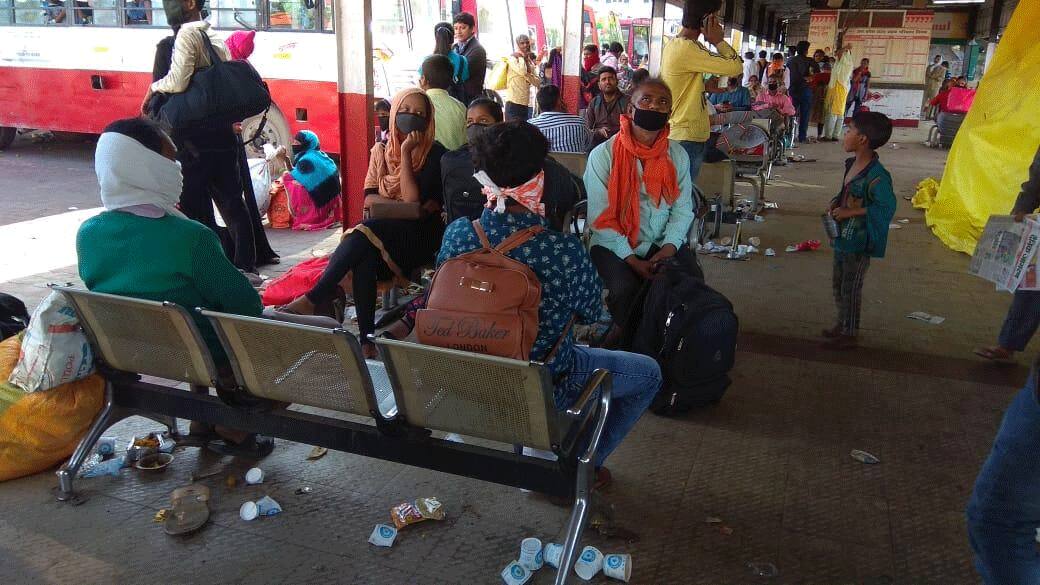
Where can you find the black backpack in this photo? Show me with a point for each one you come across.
(691, 330)
(219, 95)
(13, 316)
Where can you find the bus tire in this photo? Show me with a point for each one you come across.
(7, 136)
(276, 131)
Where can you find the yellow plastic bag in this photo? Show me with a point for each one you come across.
(990, 157)
(499, 75)
(926, 192)
(39, 430)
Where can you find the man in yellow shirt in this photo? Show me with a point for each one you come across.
(521, 76)
(683, 65)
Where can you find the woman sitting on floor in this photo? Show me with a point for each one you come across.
(404, 196)
(311, 183)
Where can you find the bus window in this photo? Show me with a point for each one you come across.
(232, 13)
(6, 12)
(36, 12)
(292, 14)
(138, 13)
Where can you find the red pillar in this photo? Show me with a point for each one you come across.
(572, 27)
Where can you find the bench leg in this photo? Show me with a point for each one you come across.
(580, 511)
(110, 414)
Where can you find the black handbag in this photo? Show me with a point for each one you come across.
(222, 94)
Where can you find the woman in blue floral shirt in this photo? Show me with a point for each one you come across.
(513, 154)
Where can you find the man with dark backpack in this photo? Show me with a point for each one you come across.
(208, 155)
(512, 157)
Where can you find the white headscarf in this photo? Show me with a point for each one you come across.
(131, 174)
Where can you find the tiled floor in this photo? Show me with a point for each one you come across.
(771, 461)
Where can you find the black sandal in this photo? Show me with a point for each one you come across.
(254, 446)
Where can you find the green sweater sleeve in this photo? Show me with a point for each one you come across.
(225, 288)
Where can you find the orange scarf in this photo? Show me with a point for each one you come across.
(659, 181)
(384, 171)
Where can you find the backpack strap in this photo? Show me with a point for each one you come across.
(214, 58)
(481, 234)
(518, 239)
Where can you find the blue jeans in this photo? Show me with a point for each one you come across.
(636, 380)
(803, 104)
(696, 152)
(1021, 322)
(1004, 510)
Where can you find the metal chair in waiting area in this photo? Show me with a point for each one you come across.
(573, 161)
(510, 402)
(750, 166)
(133, 337)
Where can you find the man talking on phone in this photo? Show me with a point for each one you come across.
(683, 65)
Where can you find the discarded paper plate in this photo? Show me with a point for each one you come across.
(317, 453)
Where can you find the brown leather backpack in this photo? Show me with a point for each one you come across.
(484, 301)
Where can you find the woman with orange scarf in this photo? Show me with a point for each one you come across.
(640, 199)
(404, 184)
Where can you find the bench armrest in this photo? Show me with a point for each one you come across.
(578, 409)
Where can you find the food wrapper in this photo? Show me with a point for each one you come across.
(407, 513)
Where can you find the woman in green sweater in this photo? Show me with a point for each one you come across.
(142, 246)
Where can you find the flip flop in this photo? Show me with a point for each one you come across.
(992, 355)
(189, 510)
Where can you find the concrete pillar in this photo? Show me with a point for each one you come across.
(572, 14)
(657, 35)
(356, 117)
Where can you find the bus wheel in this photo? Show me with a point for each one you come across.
(7, 135)
(274, 132)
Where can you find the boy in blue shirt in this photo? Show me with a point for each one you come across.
(863, 209)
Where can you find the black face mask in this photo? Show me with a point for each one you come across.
(297, 149)
(772, 87)
(384, 122)
(408, 123)
(473, 131)
(650, 120)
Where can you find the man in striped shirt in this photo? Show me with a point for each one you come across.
(565, 132)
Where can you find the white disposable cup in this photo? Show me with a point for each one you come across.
(248, 511)
(515, 574)
(383, 535)
(553, 553)
(618, 567)
(589, 563)
(531, 554)
(255, 476)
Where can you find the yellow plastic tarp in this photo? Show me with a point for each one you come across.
(990, 157)
(39, 430)
(926, 192)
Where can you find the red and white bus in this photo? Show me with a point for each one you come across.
(75, 65)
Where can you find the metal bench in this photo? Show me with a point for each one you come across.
(386, 414)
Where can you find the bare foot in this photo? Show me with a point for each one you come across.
(301, 306)
(369, 351)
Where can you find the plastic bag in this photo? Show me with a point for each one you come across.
(926, 192)
(260, 173)
(55, 350)
(278, 212)
(497, 80)
(991, 155)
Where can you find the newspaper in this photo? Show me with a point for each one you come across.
(1006, 251)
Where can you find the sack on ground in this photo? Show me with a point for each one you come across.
(278, 213)
(484, 301)
(260, 175)
(55, 350)
(39, 430)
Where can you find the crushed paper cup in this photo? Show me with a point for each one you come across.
(515, 574)
(531, 557)
(383, 535)
(618, 567)
(266, 506)
(248, 511)
(255, 476)
(770, 252)
(552, 554)
(589, 563)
